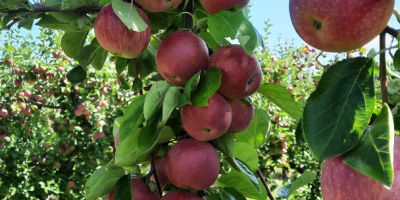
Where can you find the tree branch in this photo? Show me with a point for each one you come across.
(153, 169)
(391, 31)
(259, 174)
(382, 68)
(42, 105)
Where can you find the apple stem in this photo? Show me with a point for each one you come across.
(153, 169)
(382, 69)
(259, 174)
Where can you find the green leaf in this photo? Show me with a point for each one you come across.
(137, 85)
(167, 133)
(299, 132)
(72, 42)
(65, 17)
(304, 179)
(117, 124)
(230, 193)
(48, 21)
(76, 75)
(373, 156)
(149, 135)
(99, 57)
(234, 25)
(73, 4)
(132, 119)
(92, 53)
(246, 153)
(171, 101)
(249, 174)
(208, 85)
(241, 183)
(154, 97)
(282, 98)
(123, 188)
(226, 144)
(396, 60)
(129, 15)
(338, 111)
(126, 153)
(190, 87)
(120, 65)
(164, 20)
(49, 3)
(255, 134)
(103, 181)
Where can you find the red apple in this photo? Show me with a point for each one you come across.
(341, 182)
(180, 56)
(192, 164)
(158, 5)
(8, 62)
(241, 73)
(214, 6)
(178, 195)
(209, 122)
(3, 113)
(341, 25)
(18, 82)
(161, 169)
(242, 115)
(39, 98)
(140, 191)
(115, 37)
(28, 93)
(16, 70)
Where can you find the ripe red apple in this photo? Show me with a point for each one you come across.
(213, 6)
(18, 82)
(158, 5)
(28, 93)
(8, 62)
(192, 164)
(3, 113)
(115, 37)
(16, 70)
(140, 191)
(39, 98)
(241, 73)
(209, 122)
(341, 25)
(180, 56)
(178, 195)
(341, 182)
(161, 169)
(242, 115)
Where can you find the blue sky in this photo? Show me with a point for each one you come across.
(278, 13)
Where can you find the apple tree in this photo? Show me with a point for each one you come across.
(197, 103)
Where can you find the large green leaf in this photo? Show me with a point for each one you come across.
(48, 21)
(282, 98)
(230, 193)
(190, 87)
(72, 42)
(126, 153)
(120, 65)
(304, 179)
(241, 183)
(248, 173)
(123, 188)
(255, 134)
(129, 15)
(132, 119)
(226, 144)
(154, 97)
(338, 111)
(76, 75)
(209, 84)
(171, 101)
(149, 135)
(246, 153)
(92, 54)
(234, 25)
(373, 156)
(103, 181)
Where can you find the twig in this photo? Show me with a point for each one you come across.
(382, 69)
(259, 174)
(391, 31)
(189, 18)
(153, 168)
(42, 105)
